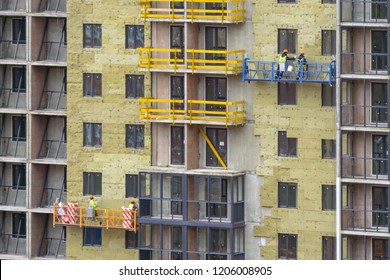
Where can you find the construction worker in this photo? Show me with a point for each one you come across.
(302, 65)
(132, 205)
(282, 64)
(92, 207)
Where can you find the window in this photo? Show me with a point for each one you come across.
(92, 84)
(216, 39)
(328, 95)
(131, 240)
(131, 185)
(287, 39)
(328, 42)
(287, 1)
(380, 207)
(379, 102)
(379, 9)
(287, 94)
(134, 36)
(287, 246)
(135, 86)
(92, 35)
(379, 155)
(328, 197)
(177, 145)
(218, 195)
(92, 236)
(18, 225)
(177, 41)
(219, 240)
(18, 128)
(218, 137)
(176, 243)
(328, 149)
(134, 136)
(328, 248)
(287, 147)
(177, 91)
(379, 50)
(19, 176)
(18, 79)
(216, 90)
(93, 134)
(176, 195)
(380, 249)
(19, 31)
(328, 2)
(287, 195)
(92, 183)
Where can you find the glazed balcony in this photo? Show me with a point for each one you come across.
(364, 11)
(218, 11)
(193, 111)
(226, 62)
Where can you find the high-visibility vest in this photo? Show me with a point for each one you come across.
(92, 204)
(283, 58)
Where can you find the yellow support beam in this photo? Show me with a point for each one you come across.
(212, 148)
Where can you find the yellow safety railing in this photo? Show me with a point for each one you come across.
(223, 61)
(193, 10)
(72, 215)
(223, 112)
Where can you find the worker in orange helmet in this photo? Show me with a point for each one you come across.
(282, 63)
(302, 65)
(132, 205)
(92, 207)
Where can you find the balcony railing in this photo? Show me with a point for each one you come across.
(365, 220)
(13, 195)
(13, 244)
(53, 100)
(53, 149)
(195, 111)
(12, 50)
(364, 116)
(364, 63)
(365, 167)
(363, 11)
(52, 51)
(11, 99)
(221, 11)
(52, 6)
(196, 61)
(254, 70)
(13, 147)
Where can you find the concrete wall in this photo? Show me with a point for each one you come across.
(113, 110)
(307, 121)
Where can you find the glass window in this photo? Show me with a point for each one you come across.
(379, 50)
(218, 137)
(92, 183)
(287, 39)
(287, 195)
(380, 249)
(379, 9)
(19, 176)
(131, 240)
(177, 91)
(18, 225)
(287, 1)
(216, 40)
(328, 95)
(92, 236)
(380, 207)
(218, 240)
(176, 195)
(92, 35)
(328, 248)
(18, 79)
(177, 40)
(92, 84)
(131, 185)
(328, 2)
(134, 136)
(218, 194)
(287, 246)
(287, 147)
(328, 197)
(135, 86)
(379, 155)
(18, 128)
(18, 31)
(328, 42)
(93, 134)
(287, 94)
(328, 149)
(379, 102)
(134, 36)
(216, 90)
(177, 145)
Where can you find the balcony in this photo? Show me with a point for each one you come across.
(310, 73)
(70, 214)
(364, 11)
(364, 63)
(13, 5)
(226, 62)
(12, 98)
(194, 111)
(218, 11)
(51, 6)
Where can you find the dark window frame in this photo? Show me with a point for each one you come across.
(329, 248)
(96, 137)
(19, 128)
(16, 220)
(379, 103)
(95, 41)
(380, 159)
(328, 95)
(328, 48)
(287, 94)
(287, 147)
(324, 148)
(290, 189)
(177, 146)
(328, 205)
(292, 43)
(131, 240)
(287, 1)
(133, 134)
(19, 176)
(211, 159)
(290, 251)
(92, 84)
(132, 37)
(328, 2)
(92, 237)
(92, 185)
(131, 188)
(384, 249)
(19, 27)
(135, 86)
(19, 79)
